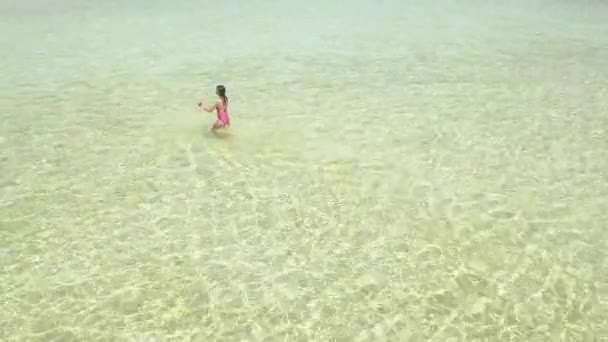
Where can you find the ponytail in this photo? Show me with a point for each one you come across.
(221, 92)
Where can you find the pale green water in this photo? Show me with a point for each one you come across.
(400, 171)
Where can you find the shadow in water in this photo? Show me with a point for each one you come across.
(218, 134)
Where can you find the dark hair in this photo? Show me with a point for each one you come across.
(220, 90)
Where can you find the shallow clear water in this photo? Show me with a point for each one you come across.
(396, 170)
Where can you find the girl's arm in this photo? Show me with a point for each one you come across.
(210, 108)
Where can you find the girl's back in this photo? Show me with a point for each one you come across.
(222, 106)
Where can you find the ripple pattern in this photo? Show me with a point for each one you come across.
(450, 187)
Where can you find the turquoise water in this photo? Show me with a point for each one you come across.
(396, 170)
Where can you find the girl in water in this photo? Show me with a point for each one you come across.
(221, 107)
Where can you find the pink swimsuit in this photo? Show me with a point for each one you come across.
(222, 116)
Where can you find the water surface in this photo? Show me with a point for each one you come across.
(396, 170)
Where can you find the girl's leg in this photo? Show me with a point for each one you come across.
(220, 124)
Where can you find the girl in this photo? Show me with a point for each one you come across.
(221, 107)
